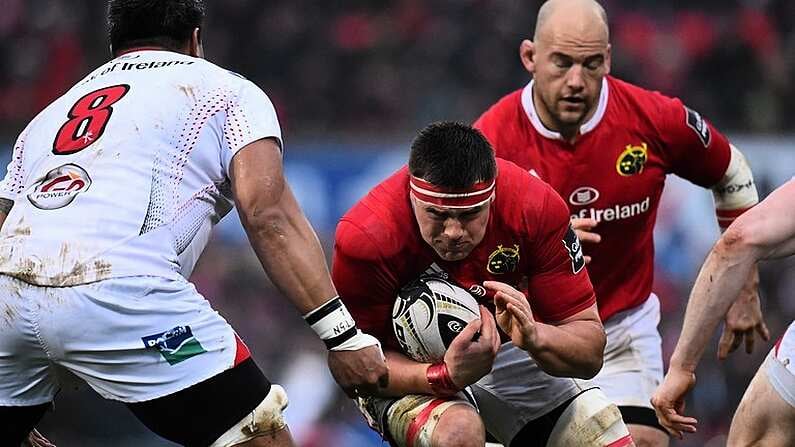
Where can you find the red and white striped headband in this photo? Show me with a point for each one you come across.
(475, 195)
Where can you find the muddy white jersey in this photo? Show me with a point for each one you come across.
(126, 173)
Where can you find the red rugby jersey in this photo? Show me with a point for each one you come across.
(379, 248)
(614, 172)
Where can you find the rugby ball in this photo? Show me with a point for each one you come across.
(428, 314)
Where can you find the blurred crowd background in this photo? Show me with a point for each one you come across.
(353, 80)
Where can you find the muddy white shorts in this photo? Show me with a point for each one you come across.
(633, 366)
(779, 365)
(131, 339)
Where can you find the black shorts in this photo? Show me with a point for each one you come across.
(195, 416)
(199, 415)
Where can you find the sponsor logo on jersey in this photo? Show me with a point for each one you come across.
(477, 290)
(503, 260)
(584, 195)
(616, 212)
(59, 187)
(632, 160)
(574, 248)
(699, 126)
(175, 345)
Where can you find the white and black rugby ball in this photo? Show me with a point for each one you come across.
(428, 314)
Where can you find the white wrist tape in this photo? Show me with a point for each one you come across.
(336, 327)
(736, 192)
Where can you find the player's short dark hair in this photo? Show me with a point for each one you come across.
(164, 23)
(452, 155)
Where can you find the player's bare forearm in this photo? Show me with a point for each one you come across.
(571, 349)
(765, 231)
(405, 376)
(716, 286)
(280, 234)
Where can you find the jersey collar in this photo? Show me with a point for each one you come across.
(530, 110)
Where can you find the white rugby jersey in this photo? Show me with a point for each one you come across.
(127, 172)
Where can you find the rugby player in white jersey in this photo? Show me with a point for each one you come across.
(109, 200)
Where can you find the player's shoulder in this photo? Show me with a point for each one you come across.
(521, 194)
(376, 226)
(637, 98)
(502, 114)
(216, 74)
(516, 182)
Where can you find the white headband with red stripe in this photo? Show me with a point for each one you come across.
(471, 197)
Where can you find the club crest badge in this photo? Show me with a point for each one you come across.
(632, 160)
(503, 260)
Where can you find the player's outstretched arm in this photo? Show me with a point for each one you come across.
(290, 252)
(766, 231)
(573, 347)
(734, 194)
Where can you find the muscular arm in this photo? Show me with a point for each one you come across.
(573, 347)
(405, 375)
(764, 232)
(281, 236)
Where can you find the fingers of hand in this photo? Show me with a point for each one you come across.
(499, 302)
(675, 423)
(725, 343)
(583, 223)
(749, 341)
(738, 340)
(520, 314)
(587, 259)
(488, 327)
(517, 306)
(682, 424)
(587, 236)
(763, 331)
(468, 333)
(497, 286)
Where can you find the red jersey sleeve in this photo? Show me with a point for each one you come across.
(558, 284)
(363, 281)
(693, 148)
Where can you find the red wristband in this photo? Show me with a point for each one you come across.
(439, 379)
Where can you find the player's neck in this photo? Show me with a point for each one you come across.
(568, 133)
(140, 48)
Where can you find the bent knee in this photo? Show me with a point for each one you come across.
(426, 421)
(590, 419)
(459, 426)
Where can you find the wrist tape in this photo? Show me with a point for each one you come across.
(336, 327)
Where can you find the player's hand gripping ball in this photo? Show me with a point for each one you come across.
(428, 314)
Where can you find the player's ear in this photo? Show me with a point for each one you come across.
(527, 52)
(607, 59)
(196, 49)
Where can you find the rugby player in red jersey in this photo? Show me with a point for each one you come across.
(606, 146)
(491, 227)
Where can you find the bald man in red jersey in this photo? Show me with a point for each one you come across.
(606, 147)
